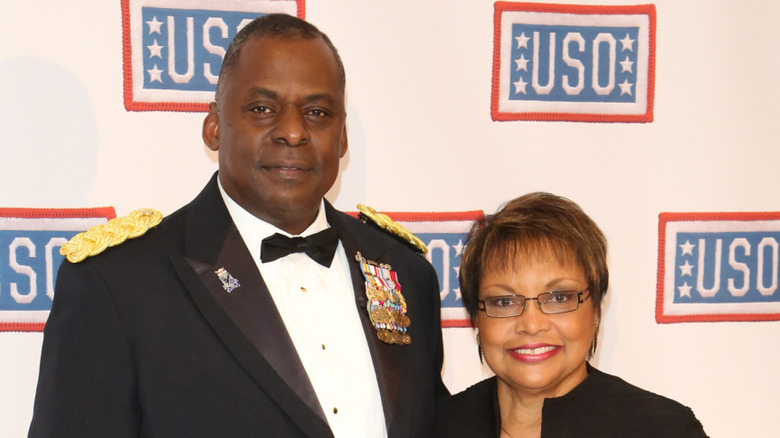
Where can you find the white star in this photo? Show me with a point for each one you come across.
(155, 74)
(686, 269)
(457, 270)
(458, 248)
(520, 86)
(457, 293)
(522, 41)
(522, 63)
(625, 87)
(154, 26)
(628, 66)
(685, 290)
(156, 50)
(628, 43)
(687, 248)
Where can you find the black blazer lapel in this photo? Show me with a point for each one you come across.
(245, 319)
(387, 363)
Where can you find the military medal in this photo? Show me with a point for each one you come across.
(386, 306)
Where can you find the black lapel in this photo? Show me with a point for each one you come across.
(387, 363)
(245, 319)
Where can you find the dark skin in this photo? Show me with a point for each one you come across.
(280, 128)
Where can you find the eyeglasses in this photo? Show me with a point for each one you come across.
(549, 302)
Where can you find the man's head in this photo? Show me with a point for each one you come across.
(273, 25)
(279, 120)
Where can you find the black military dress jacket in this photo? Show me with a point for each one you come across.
(144, 341)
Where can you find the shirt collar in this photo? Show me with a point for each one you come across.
(253, 230)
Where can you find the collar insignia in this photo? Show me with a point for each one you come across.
(228, 281)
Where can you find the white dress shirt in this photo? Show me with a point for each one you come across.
(317, 305)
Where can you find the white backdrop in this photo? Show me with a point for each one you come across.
(421, 139)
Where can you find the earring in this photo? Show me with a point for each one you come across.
(479, 349)
(595, 340)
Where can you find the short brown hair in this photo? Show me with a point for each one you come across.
(527, 226)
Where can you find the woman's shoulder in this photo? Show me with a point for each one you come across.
(469, 413)
(603, 400)
(606, 388)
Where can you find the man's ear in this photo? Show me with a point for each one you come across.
(344, 142)
(211, 127)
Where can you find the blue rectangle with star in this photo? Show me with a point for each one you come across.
(718, 267)
(30, 242)
(573, 62)
(173, 49)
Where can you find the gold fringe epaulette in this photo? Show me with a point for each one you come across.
(99, 237)
(384, 222)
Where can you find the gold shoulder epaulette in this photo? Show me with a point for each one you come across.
(99, 237)
(384, 222)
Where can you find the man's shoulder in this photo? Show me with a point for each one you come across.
(366, 232)
(157, 241)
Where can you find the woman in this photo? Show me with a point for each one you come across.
(532, 277)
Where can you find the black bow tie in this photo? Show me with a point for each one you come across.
(320, 246)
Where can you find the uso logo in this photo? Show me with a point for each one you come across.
(573, 62)
(718, 267)
(444, 235)
(30, 240)
(173, 49)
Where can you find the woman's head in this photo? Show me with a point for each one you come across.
(542, 248)
(533, 224)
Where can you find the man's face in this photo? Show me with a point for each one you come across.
(279, 127)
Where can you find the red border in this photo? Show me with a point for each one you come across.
(127, 70)
(29, 213)
(501, 7)
(407, 216)
(34, 213)
(456, 323)
(663, 219)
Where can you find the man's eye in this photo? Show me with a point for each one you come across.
(260, 109)
(318, 113)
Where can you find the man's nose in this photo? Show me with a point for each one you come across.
(290, 128)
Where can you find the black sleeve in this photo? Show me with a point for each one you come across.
(86, 385)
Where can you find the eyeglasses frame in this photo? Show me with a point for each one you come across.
(580, 300)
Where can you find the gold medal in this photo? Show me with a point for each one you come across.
(384, 336)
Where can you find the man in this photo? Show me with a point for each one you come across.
(194, 330)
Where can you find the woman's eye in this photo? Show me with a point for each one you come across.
(560, 297)
(504, 302)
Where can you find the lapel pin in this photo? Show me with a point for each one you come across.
(228, 281)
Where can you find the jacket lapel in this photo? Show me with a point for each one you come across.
(387, 363)
(245, 319)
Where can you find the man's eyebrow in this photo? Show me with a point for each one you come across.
(319, 97)
(263, 92)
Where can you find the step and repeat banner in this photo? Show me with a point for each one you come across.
(658, 119)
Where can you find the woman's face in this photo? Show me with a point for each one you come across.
(537, 353)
